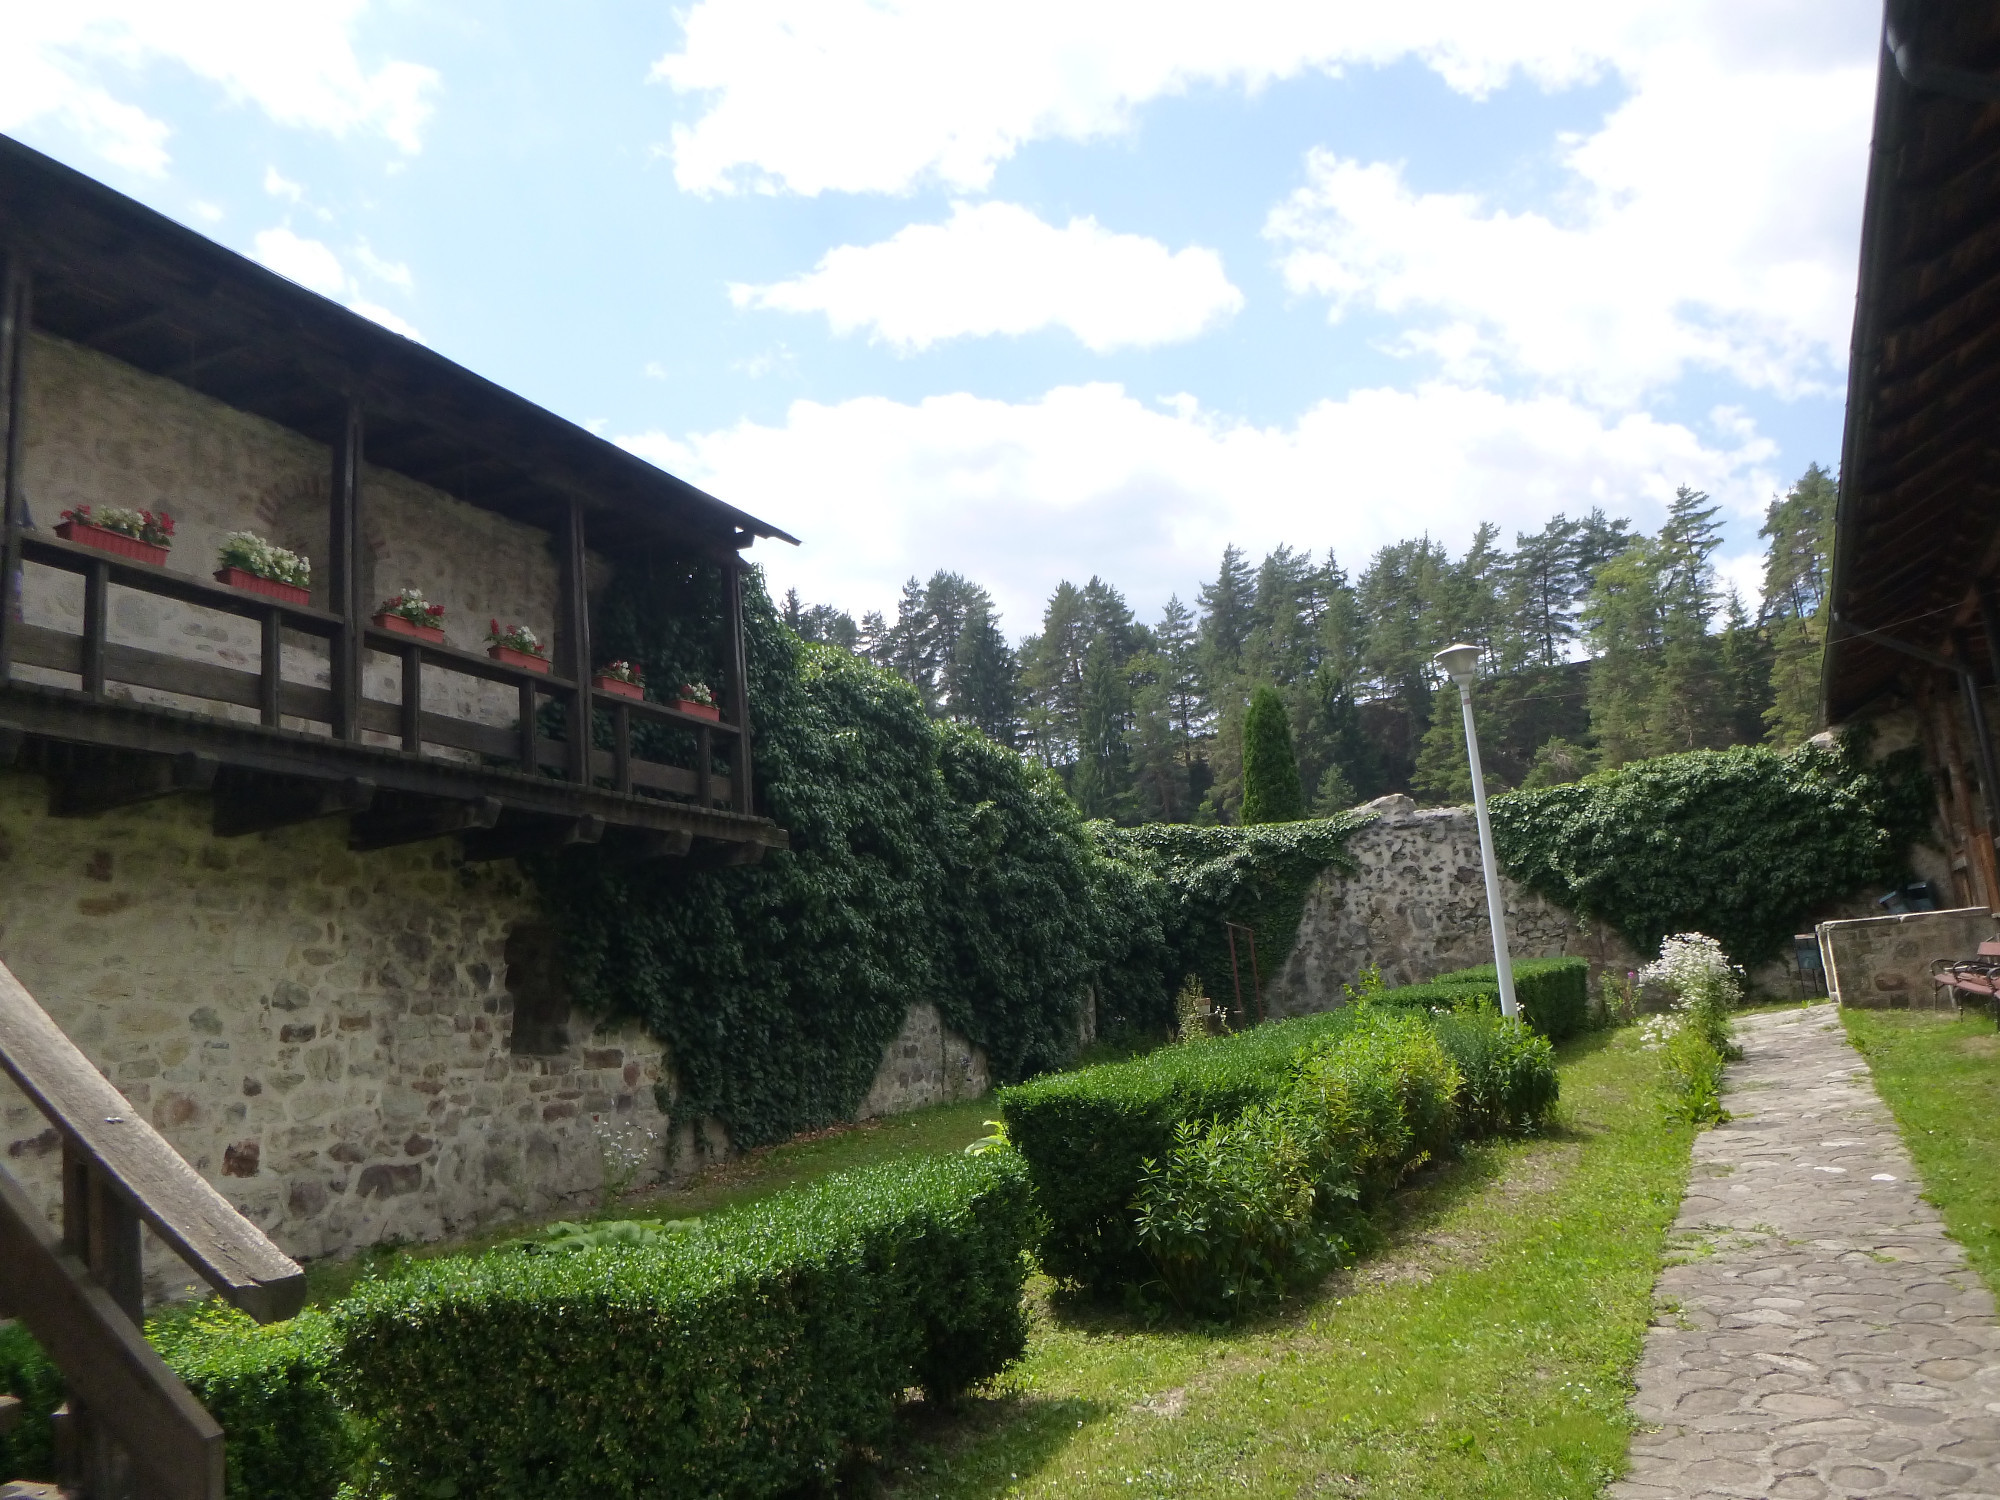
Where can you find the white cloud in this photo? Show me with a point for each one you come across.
(1710, 223)
(1021, 495)
(314, 265)
(278, 185)
(65, 64)
(811, 96)
(308, 262)
(995, 268)
(395, 272)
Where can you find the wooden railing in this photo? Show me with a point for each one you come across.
(132, 1427)
(98, 662)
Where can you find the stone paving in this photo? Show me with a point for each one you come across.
(1821, 1335)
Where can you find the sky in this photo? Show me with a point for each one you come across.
(1043, 289)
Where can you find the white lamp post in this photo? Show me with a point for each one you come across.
(1460, 662)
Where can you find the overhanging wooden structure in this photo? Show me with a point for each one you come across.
(1915, 597)
(97, 269)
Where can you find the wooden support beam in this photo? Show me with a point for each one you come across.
(413, 700)
(271, 682)
(388, 827)
(641, 846)
(85, 780)
(573, 642)
(246, 803)
(14, 320)
(539, 836)
(741, 793)
(344, 580)
(96, 625)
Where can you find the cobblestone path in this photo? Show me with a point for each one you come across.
(1823, 1336)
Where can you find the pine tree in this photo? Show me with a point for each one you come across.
(1622, 621)
(1226, 608)
(980, 676)
(1271, 791)
(1443, 776)
(1541, 591)
(1799, 528)
(1689, 708)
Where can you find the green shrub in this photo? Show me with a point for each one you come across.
(1553, 993)
(1236, 1214)
(1271, 790)
(285, 1437)
(1086, 1134)
(1508, 1081)
(1240, 1211)
(1691, 1074)
(269, 1387)
(748, 1359)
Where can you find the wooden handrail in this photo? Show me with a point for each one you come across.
(100, 1128)
(112, 1373)
(74, 557)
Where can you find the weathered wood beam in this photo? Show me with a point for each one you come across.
(87, 780)
(574, 640)
(540, 836)
(628, 847)
(741, 795)
(15, 314)
(389, 827)
(344, 581)
(246, 803)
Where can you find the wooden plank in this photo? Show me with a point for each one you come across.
(50, 550)
(104, 1359)
(223, 1247)
(575, 643)
(258, 804)
(387, 828)
(344, 549)
(88, 781)
(96, 624)
(413, 701)
(271, 681)
(472, 664)
(741, 796)
(538, 836)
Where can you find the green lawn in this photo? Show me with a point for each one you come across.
(1485, 1349)
(756, 1174)
(1941, 1078)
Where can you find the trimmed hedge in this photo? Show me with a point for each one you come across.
(1554, 993)
(1507, 1073)
(1086, 1135)
(750, 1359)
(286, 1437)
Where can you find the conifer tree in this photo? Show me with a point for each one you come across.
(1271, 792)
(1799, 528)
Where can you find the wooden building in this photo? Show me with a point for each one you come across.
(1914, 633)
(256, 851)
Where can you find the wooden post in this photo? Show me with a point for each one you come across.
(621, 748)
(271, 689)
(14, 322)
(575, 641)
(344, 557)
(100, 1229)
(96, 626)
(413, 699)
(527, 727)
(741, 792)
(1982, 749)
(704, 768)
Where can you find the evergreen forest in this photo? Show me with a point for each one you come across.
(1600, 645)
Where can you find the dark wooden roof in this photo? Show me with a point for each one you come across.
(1919, 517)
(113, 275)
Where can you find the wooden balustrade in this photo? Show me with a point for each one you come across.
(133, 1426)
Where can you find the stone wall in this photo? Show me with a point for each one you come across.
(1884, 963)
(1415, 907)
(927, 1063)
(98, 432)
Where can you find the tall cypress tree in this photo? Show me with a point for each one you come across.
(1271, 791)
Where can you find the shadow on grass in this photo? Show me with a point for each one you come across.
(983, 1445)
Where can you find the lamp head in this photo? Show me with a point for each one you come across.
(1460, 663)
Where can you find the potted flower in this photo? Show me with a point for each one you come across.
(142, 535)
(516, 646)
(625, 678)
(409, 613)
(249, 562)
(696, 699)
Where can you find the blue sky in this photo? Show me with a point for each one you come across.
(1038, 290)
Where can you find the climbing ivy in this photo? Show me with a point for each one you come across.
(1741, 844)
(926, 864)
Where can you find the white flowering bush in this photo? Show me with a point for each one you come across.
(624, 1153)
(1693, 1038)
(254, 555)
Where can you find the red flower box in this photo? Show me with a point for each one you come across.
(291, 593)
(619, 686)
(700, 710)
(87, 535)
(397, 625)
(509, 657)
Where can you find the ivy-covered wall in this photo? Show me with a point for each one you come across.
(927, 864)
(1742, 844)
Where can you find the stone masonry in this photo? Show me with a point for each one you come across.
(1415, 907)
(1884, 963)
(1822, 1335)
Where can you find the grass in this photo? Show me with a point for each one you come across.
(1485, 1349)
(1941, 1078)
(756, 1174)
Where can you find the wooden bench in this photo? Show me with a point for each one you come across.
(1962, 977)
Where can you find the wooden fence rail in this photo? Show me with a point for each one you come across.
(134, 1427)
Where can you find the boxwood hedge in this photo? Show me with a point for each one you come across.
(1553, 993)
(751, 1358)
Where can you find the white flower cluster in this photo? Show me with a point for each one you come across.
(1695, 968)
(251, 553)
(1656, 1031)
(624, 1152)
